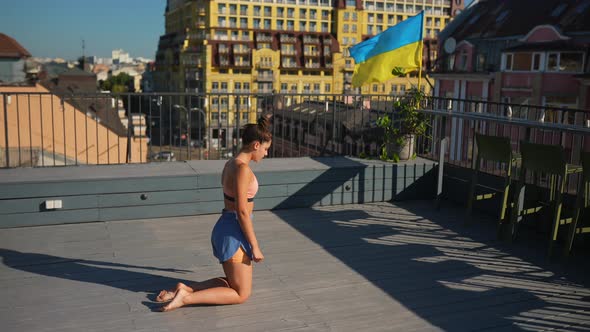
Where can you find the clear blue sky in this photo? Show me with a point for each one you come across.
(55, 28)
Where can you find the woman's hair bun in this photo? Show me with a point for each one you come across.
(264, 122)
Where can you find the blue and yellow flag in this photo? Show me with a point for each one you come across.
(397, 47)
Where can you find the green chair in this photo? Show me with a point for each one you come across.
(582, 202)
(548, 160)
(494, 149)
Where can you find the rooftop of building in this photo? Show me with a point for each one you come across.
(502, 18)
(378, 267)
(10, 48)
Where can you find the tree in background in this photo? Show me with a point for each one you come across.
(118, 84)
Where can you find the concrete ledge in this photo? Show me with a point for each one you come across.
(102, 193)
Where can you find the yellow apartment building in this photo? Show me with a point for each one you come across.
(285, 46)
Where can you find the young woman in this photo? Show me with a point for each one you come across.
(233, 239)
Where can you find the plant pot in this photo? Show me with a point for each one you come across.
(405, 150)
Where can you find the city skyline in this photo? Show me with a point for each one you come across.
(56, 29)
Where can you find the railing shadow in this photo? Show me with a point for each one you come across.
(434, 266)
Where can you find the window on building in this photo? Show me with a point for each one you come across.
(224, 86)
(394, 89)
(223, 116)
(237, 86)
(244, 116)
(481, 62)
(375, 88)
(462, 65)
(215, 86)
(536, 66)
(507, 61)
(327, 88)
(571, 61)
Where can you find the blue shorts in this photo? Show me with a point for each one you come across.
(227, 237)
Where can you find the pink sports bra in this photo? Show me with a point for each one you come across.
(252, 190)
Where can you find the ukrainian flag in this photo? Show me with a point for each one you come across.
(397, 47)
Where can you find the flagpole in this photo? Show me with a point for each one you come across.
(421, 55)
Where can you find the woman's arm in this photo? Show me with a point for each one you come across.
(243, 178)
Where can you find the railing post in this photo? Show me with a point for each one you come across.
(5, 103)
(441, 160)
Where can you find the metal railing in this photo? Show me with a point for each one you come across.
(43, 129)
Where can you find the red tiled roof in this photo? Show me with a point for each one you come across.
(10, 48)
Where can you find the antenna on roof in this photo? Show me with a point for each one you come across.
(83, 48)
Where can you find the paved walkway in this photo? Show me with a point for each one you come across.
(370, 267)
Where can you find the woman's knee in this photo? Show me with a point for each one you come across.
(243, 297)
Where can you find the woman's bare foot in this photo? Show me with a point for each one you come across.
(176, 302)
(165, 296)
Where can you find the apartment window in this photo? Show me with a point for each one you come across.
(237, 86)
(215, 86)
(257, 10)
(243, 10)
(375, 88)
(345, 28)
(350, 3)
(327, 88)
(463, 61)
(394, 89)
(280, 25)
(536, 62)
(244, 116)
(507, 61)
(246, 86)
(224, 86)
(214, 116)
(346, 16)
(280, 12)
(284, 87)
(223, 116)
(572, 62)
(481, 62)
(267, 11)
(354, 17)
(302, 13)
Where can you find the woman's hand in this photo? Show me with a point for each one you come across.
(257, 255)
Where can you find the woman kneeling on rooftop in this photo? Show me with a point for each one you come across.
(233, 239)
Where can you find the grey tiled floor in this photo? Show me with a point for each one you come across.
(369, 267)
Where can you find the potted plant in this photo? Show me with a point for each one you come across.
(401, 131)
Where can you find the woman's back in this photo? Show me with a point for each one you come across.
(229, 183)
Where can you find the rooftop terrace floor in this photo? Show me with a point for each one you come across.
(369, 267)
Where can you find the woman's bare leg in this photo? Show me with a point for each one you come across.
(168, 295)
(239, 278)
